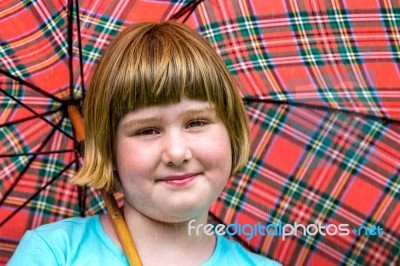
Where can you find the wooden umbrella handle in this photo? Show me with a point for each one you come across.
(114, 211)
(122, 229)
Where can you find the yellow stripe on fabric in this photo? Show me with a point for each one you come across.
(5, 115)
(315, 70)
(388, 6)
(348, 43)
(14, 9)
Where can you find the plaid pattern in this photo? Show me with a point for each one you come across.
(308, 165)
(327, 150)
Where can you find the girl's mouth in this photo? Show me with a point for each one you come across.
(178, 180)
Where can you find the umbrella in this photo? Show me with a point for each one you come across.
(320, 83)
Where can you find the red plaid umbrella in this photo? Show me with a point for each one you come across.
(320, 81)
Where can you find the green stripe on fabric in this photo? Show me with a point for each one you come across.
(28, 3)
(43, 205)
(183, 2)
(108, 25)
(248, 28)
(275, 217)
(8, 139)
(319, 143)
(91, 53)
(352, 259)
(49, 27)
(249, 25)
(261, 61)
(19, 70)
(367, 95)
(280, 96)
(339, 18)
(393, 186)
(299, 21)
(330, 95)
(302, 28)
(229, 64)
(311, 57)
(7, 102)
(349, 52)
(394, 250)
(327, 205)
(236, 194)
(391, 22)
(55, 22)
(212, 32)
(51, 167)
(66, 126)
(275, 120)
(356, 157)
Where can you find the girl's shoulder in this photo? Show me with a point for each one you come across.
(69, 225)
(72, 241)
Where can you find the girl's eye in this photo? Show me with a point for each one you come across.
(146, 132)
(197, 123)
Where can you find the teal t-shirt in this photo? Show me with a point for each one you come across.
(83, 241)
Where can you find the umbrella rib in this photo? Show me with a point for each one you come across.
(81, 190)
(35, 194)
(14, 184)
(36, 153)
(70, 55)
(190, 7)
(29, 118)
(37, 114)
(384, 120)
(78, 23)
(35, 88)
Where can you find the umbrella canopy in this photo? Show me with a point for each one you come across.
(320, 82)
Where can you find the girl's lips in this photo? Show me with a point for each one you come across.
(179, 180)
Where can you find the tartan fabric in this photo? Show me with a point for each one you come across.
(327, 151)
(338, 163)
(340, 56)
(309, 166)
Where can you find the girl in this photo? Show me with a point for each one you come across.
(166, 126)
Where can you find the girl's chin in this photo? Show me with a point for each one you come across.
(181, 217)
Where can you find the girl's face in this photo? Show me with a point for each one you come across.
(173, 160)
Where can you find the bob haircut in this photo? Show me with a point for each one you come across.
(151, 64)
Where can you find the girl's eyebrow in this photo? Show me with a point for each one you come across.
(155, 119)
(197, 111)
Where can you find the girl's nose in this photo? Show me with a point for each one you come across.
(176, 150)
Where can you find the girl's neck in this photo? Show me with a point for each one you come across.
(160, 243)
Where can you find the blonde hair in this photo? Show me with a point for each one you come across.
(151, 64)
